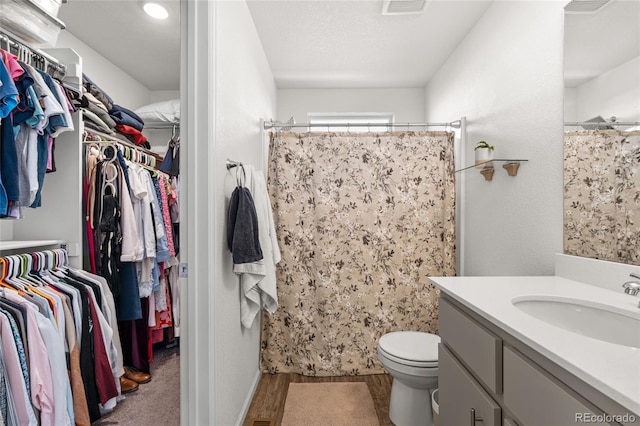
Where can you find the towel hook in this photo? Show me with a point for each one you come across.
(244, 175)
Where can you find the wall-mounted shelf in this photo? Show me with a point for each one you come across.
(510, 165)
(13, 247)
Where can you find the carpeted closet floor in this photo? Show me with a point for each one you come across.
(156, 402)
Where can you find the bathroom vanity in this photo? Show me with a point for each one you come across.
(504, 360)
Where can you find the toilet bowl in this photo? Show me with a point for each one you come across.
(411, 358)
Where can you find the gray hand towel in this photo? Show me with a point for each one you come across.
(242, 227)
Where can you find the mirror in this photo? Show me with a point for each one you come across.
(602, 161)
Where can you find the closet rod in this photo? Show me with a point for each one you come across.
(271, 124)
(114, 139)
(9, 40)
(162, 126)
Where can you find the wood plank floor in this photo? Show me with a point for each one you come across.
(271, 393)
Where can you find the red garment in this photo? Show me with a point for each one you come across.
(105, 382)
(11, 63)
(157, 336)
(138, 137)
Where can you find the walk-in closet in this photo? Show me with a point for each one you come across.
(90, 257)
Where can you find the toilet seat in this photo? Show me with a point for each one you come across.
(412, 348)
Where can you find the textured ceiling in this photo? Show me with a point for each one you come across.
(309, 43)
(350, 44)
(595, 43)
(338, 43)
(145, 48)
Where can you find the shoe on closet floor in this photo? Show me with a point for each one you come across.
(127, 385)
(137, 376)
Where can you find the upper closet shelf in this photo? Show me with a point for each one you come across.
(21, 245)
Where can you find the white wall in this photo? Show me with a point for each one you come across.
(6, 230)
(506, 78)
(123, 89)
(407, 104)
(120, 86)
(614, 93)
(245, 94)
(571, 105)
(163, 95)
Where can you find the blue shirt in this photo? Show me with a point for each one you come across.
(8, 92)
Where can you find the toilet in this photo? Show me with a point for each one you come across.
(411, 358)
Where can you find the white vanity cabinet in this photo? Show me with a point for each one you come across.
(487, 377)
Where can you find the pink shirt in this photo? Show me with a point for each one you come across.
(11, 62)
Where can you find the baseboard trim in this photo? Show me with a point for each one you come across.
(248, 399)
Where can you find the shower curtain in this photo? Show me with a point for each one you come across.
(602, 195)
(362, 221)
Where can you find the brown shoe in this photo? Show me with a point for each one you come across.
(137, 376)
(127, 385)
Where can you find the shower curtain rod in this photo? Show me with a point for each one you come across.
(602, 123)
(271, 124)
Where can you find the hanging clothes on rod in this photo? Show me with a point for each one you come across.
(130, 151)
(35, 57)
(34, 110)
(58, 328)
(171, 162)
(129, 235)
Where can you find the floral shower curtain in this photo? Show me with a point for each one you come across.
(602, 195)
(362, 221)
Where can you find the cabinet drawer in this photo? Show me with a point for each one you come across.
(459, 393)
(537, 399)
(476, 346)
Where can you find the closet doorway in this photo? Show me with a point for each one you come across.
(134, 58)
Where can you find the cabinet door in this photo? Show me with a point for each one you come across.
(476, 346)
(459, 394)
(537, 399)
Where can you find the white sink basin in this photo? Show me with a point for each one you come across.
(591, 319)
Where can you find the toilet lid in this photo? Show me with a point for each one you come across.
(412, 346)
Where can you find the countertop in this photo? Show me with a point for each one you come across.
(613, 369)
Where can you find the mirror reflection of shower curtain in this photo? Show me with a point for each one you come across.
(362, 221)
(602, 195)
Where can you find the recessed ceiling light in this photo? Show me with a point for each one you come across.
(155, 10)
